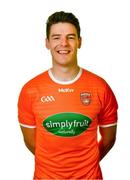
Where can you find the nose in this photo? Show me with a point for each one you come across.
(64, 41)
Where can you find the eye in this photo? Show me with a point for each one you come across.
(71, 37)
(56, 38)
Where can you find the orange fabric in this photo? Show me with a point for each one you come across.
(67, 157)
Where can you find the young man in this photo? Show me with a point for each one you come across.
(61, 109)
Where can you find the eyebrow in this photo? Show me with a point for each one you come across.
(71, 34)
(53, 35)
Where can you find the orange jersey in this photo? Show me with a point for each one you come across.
(66, 116)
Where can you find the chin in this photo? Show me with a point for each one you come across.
(63, 62)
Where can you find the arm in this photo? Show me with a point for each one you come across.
(29, 138)
(108, 137)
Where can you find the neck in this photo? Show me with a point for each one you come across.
(65, 73)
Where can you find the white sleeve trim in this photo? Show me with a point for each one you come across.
(27, 126)
(108, 125)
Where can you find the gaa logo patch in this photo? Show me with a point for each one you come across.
(85, 98)
(67, 124)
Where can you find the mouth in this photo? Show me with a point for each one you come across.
(63, 51)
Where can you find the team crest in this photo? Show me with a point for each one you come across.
(85, 98)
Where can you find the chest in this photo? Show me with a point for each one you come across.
(57, 99)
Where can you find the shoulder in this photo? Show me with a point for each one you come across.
(100, 86)
(97, 83)
(32, 85)
(37, 79)
(94, 79)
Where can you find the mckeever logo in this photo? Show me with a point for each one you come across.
(67, 124)
(65, 90)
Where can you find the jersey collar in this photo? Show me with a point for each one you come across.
(65, 82)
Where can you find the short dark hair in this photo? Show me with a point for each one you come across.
(62, 16)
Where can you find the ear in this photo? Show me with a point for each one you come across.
(80, 42)
(47, 43)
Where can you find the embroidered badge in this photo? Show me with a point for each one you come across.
(85, 98)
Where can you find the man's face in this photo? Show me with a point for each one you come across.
(63, 43)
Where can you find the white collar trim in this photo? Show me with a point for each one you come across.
(65, 82)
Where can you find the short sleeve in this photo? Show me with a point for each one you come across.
(108, 114)
(25, 112)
